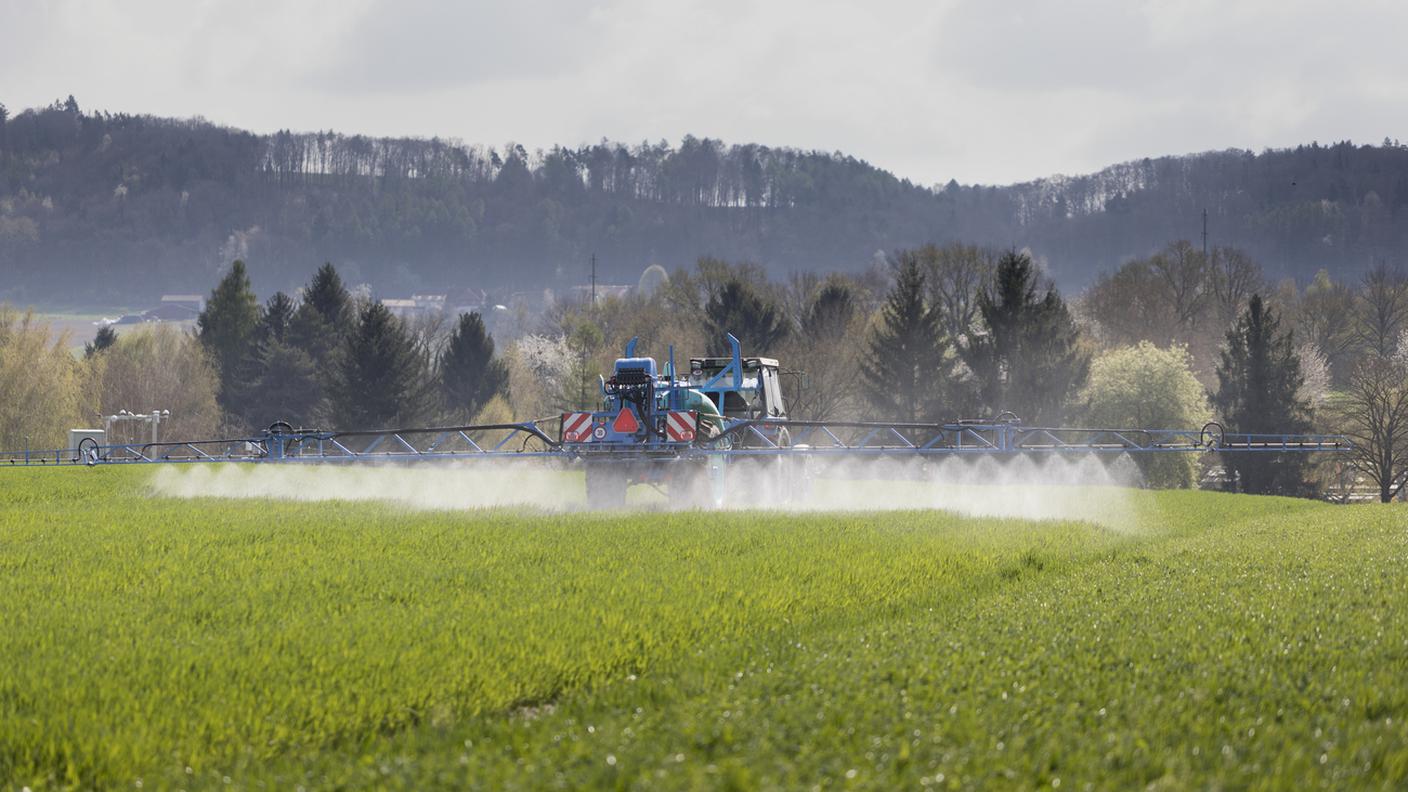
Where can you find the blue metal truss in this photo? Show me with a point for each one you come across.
(773, 437)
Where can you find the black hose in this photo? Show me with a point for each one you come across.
(1206, 436)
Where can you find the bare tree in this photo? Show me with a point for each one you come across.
(1374, 410)
(1183, 271)
(1128, 306)
(1326, 316)
(1383, 309)
(821, 359)
(1175, 295)
(1315, 375)
(1233, 277)
(955, 274)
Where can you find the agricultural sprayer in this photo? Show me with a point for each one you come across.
(689, 433)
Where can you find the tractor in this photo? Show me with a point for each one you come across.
(670, 431)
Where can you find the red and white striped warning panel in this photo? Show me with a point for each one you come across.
(679, 426)
(576, 427)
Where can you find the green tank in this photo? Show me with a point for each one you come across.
(711, 423)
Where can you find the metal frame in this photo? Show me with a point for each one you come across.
(741, 438)
(862, 437)
(391, 445)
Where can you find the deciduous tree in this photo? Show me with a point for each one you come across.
(956, 275)
(44, 390)
(1143, 386)
(821, 361)
(1383, 310)
(1327, 316)
(161, 368)
(1373, 412)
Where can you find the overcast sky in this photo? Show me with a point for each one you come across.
(989, 92)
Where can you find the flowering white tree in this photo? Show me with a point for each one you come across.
(1315, 369)
(540, 374)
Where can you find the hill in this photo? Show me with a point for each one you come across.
(98, 208)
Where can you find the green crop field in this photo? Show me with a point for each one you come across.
(1201, 641)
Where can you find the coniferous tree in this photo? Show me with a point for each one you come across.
(903, 377)
(319, 327)
(327, 295)
(285, 387)
(105, 338)
(1029, 361)
(324, 317)
(225, 328)
(275, 319)
(756, 321)
(280, 381)
(381, 377)
(1258, 379)
(469, 373)
(829, 314)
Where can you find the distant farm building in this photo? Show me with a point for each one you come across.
(466, 301)
(172, 308)
(417, 305)
(603, 291)
(400, 307)
(192, 302)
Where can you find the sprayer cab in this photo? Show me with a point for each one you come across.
(646, 409)
(750, 390)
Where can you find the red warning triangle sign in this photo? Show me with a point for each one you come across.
(625, 422)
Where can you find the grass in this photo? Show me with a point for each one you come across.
(1232, 642)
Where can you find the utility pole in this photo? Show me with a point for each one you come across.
(594, 277)
(1205, 235)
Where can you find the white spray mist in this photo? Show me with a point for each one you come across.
(1027, 487)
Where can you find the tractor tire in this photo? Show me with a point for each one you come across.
(606, 486)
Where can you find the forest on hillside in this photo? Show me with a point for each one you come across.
(104, 208)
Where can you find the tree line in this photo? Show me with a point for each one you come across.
(1173, 340)
(159, 204)
(325, 359)
(933, 333)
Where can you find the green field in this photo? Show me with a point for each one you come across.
(1208, 641)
